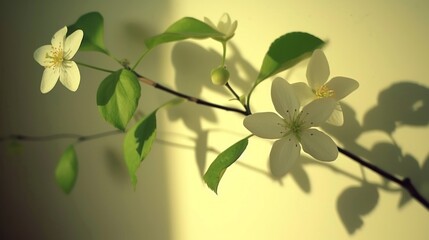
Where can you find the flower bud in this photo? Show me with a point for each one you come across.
(220, 75)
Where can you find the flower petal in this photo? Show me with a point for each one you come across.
(40, 55)
(317, 112)
(70, 76)
(317, 69)
(49, 79)
(283, 155)
(303, 92)
(283, 97)
(209, 22)
(265, 125)
(72, 44)
(336, 118)
(231, 30)
(57, 40)
(342, 86)
(319, 145)
(224, 23)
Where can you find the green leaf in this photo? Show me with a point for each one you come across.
(286, 51)
(185, 28)
(92, 25)
(138, 143)
(139, 139)
(118, 96)
(67, 169)
(222, 162)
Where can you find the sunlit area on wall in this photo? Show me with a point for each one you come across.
(214, 120)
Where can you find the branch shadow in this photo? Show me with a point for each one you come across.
(403, 104)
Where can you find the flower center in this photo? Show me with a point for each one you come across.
(294, 125)
(324, 91)
(56, 57)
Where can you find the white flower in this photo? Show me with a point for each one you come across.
(56, 58)
(224, 26)
(320, 87)
(294, 128)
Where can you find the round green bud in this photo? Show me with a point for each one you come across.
(220, 75)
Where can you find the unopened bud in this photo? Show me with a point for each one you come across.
(220, 75)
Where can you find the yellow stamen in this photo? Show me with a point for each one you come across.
(324, 91)
(55, 57)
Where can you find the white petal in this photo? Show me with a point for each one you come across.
(265, 125)
(283, 155)
(336, 117)
(284, 98)
(40, 55)
(59, 37)
(317, 112)
(49, 79)
(303, 92)
(342, 86)
(224, 23)
(319, 145)
(317, 69)
(72, 44)
(232, 29)
(209, 22)
(70, 76)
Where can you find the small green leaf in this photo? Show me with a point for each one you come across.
(118, 96)
(286, 51)
(139, 139)
(185, 28)
(218, 167)
(67, 169)
(92, 25)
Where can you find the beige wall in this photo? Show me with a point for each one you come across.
(381, 44)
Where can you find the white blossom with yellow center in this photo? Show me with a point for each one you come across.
(319, 87)
(295, 127)
(56, 58)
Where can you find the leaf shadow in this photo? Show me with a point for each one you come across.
(115, 165)
(403, 104)
(355, 202)
(192, 80)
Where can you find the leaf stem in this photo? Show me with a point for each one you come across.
(140, 59)
(94, 67)
(232, 91)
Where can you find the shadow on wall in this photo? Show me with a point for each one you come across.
(404, 104)
(192, 80)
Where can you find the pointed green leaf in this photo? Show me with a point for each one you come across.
(218, 167)
(67, 169)
(92, 25)
(185, 28)
(139, 139)
(286, 51)
(138, 143)
(118, 96)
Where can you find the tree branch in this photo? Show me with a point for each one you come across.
(154, 84)
(405, 183)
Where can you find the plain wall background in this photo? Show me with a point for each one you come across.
(381, 44)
